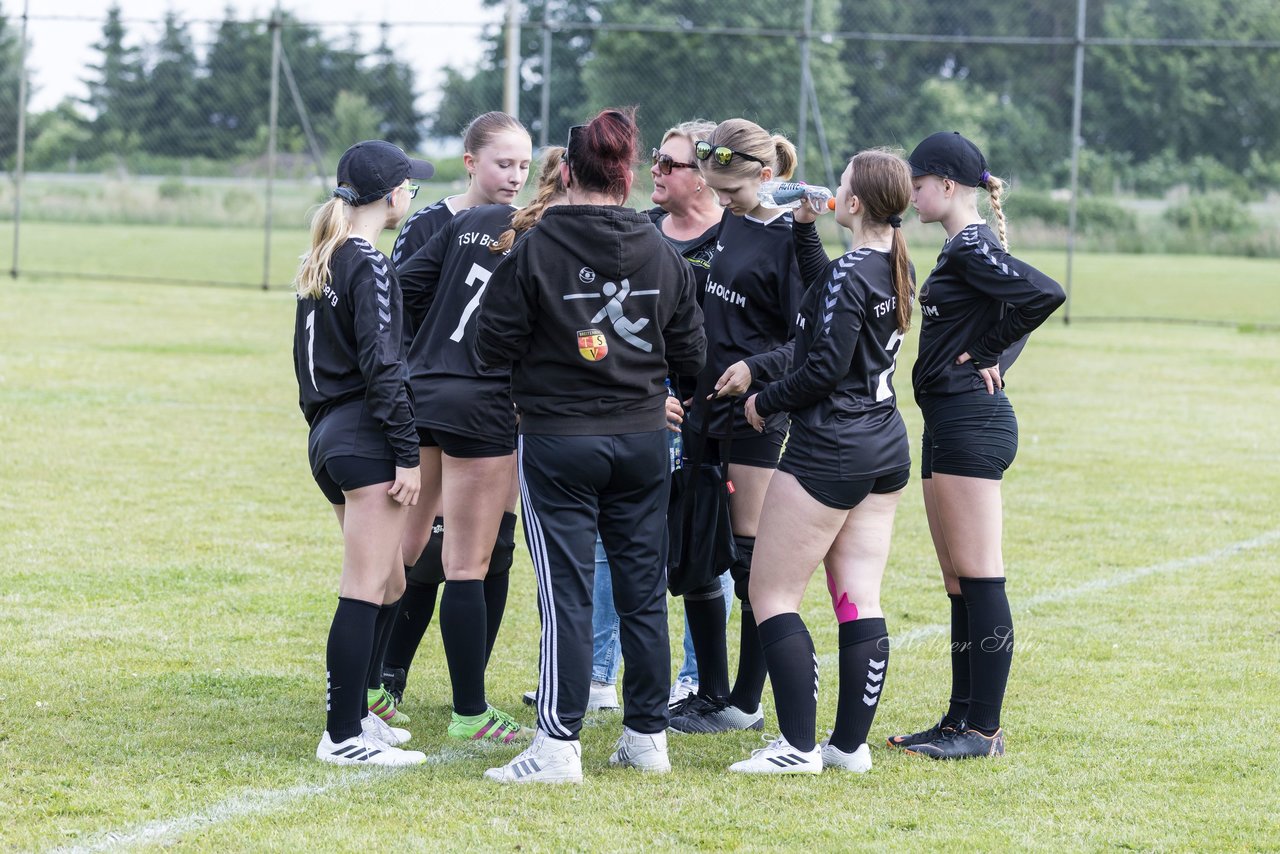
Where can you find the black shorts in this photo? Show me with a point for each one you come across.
(343, 474)
(461, 446)
(761, 450)
(848, 494)
(973, 434)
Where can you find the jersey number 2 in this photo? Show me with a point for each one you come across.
(478, 276)
(884, 391)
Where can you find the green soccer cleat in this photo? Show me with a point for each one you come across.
(490, 725)
(382, 704)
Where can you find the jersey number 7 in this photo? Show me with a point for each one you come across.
(477, 276)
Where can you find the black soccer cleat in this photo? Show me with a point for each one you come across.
(965, 743)
(394, 679)
(933, 733)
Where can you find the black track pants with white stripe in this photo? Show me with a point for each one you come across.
(571, 486)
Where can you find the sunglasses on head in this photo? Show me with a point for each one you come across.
(722, 154)
(572, 142)
(665, 162)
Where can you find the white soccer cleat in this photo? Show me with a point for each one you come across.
(375, 726)
(859, 761)
(366, 750)
(780, 758)
(546, 760)
(645, 752)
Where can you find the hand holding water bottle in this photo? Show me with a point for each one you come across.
(793, 194)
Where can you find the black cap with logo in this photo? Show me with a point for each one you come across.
(950, 155)
(371, 169)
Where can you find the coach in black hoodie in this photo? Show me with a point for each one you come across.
(593, 309)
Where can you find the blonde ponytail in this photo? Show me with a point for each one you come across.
(785, 158)
(995, 187)
(330, 228)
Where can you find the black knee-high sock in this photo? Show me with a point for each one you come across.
(495, 605)
(497, 580)
(990, 649)
(381, 637)
(959, 705)
(793, 670)
(346, 660)
(462, 628)
(423, 581)
(707, 626)
(864, 660)
(749, 684)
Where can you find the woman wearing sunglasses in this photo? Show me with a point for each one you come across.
(467, 433)
(764, 256)
(497, 152)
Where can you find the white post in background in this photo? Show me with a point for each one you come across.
(1076, 109)
(545, 133)
(511, 89)
(20, 165)
(272, 128)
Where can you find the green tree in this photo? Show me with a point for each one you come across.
(118, 94)
(172, 124)
(59, 138)
(354, 119)
(389, 87)
(466, 95)
(232, 96)
(10, 75)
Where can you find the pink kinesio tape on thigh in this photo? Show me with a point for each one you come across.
(846, 611)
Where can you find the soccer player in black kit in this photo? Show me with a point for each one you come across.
(840, 477)
(467, 430)
(363, 447)
(497, 152)
(593, 309)
(977, 308)
(753, 288)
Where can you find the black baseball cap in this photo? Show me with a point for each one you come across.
(950, 155)
(375, 167)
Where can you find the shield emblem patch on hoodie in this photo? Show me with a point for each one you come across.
(591, 344)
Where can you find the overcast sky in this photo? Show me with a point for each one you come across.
(61, 32)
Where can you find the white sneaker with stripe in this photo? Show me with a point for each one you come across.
(645, 752)
(364, 749)
(779, 757)
(545, 760)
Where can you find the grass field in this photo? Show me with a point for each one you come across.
(168, 571)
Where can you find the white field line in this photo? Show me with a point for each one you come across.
(1097, 585)
(251, 802)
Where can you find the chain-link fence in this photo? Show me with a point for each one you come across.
(198, 146)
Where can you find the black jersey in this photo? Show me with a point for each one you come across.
(978, 300)
(698, 252)
(838, 381)
(417, 229)
(592, 309)
(346, 347)
(749, 300)
(443, 283)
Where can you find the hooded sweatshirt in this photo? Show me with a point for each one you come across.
(592, 310)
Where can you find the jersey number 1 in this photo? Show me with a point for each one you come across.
(884, 391)
(311, 347)
(478, 276)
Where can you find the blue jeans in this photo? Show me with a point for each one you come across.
(606, 650)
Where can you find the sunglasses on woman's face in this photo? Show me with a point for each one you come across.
(665, 162)
(721, 153)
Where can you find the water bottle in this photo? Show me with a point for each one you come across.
(675, 441)
(792, 194)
